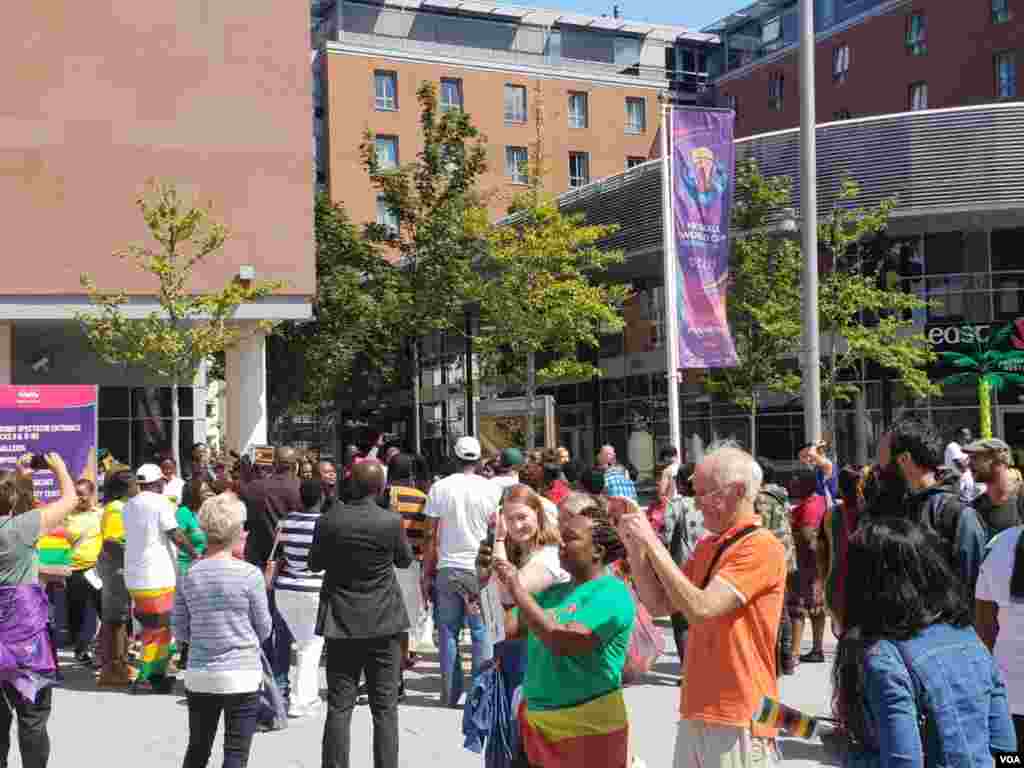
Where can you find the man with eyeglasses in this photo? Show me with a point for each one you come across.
(731, 594)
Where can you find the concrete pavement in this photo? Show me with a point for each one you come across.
(111, 728)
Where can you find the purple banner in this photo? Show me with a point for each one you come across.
(40, 419)
(703, 162)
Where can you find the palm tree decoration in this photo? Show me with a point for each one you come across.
(991, 364)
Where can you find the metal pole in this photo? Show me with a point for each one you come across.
(671, 297)
(469, 418)
(809, 207)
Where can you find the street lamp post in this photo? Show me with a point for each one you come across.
(809, 210)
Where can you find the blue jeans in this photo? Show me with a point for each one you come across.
(452, 612)
(278, 647)
(204, 711)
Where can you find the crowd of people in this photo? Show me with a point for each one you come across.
(243, 579)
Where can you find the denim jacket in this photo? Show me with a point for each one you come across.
(957, 682)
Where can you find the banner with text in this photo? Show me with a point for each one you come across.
(41, 419)
(703, 163)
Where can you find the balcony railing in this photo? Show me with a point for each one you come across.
(678, 79)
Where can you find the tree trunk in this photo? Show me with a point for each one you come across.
(416, 406)
(531, 390)
(753, 423)
(175, 426)
(985, 402)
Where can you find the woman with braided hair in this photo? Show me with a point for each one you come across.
(573, 713)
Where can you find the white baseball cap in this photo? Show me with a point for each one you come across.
(467, 448)
(148, 473)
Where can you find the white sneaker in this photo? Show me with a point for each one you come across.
(309, 710)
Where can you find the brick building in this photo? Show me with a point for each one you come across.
(873, 57)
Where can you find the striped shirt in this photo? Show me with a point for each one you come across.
(409, 503)
(296, 539)
(221, 611)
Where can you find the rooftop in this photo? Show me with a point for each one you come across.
(755, 10)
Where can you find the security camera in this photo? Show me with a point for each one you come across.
(41, 365)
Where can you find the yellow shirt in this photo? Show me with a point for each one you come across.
(83, 532)
(112, 524)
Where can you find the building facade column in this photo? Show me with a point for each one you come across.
(6, 353)
(246, 379)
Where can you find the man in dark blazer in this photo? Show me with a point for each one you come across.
(362, 614)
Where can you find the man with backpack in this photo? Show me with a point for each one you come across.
(933, 500)
(772, 506)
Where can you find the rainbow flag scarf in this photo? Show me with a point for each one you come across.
(152, 608)
(54, 549)
(590, 735)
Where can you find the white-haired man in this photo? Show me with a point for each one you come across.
(731, 593)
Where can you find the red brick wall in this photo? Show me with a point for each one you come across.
(958, 66)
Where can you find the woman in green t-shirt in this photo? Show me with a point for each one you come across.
(196, 491)
(574, 714)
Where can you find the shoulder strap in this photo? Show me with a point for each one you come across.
(922, 717)
(741, 534)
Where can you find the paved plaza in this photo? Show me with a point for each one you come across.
(112, 728)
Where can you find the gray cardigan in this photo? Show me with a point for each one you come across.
(221, 611)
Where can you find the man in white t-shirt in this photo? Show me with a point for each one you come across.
(954, 455)
(460, 508)
(150, 569)
(999, 615)
(667, 482)
(174, 486)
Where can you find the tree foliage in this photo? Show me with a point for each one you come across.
(764, 295)
(991, 365)
(863, 319)
(172, 341)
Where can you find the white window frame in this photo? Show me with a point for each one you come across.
(841, 63)
(633, 128)
(382, 162)
(385, 102)
(511, 116)
(386, 217)
(517, 173)
(457, 82)
(1011, 79)
(578, 118)
(577, 180)
(918, 96)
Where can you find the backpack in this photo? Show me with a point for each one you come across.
(940, 510)
(771, 505)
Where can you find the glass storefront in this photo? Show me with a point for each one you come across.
(135, 422)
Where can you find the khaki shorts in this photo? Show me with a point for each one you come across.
(703, 745)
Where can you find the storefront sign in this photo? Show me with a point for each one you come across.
(44, 419)
(955, 335)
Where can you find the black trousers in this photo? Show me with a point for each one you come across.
(380, 659)
(204, 710)
(1018, 725)
(84, 610)
(33, 740)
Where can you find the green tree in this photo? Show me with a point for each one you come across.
(764, 297)
(992, 365)
(435, 201)
(862, 319)
(542, 291)
(312, 361)
(170, 342)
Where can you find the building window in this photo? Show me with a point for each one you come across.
(633, 162)
(387, 152)
(771, 33)
(1006, 75)
(451, 94)
(516, 165)
(775, 89)
(842, 114)
(840, 63)
(577, 110)
(733, 103)
(386, 216)
(579, 169)
(916, 35)
(386, 84)
(515, 103)
(1000, 11)
(636, 115)
(918, 96)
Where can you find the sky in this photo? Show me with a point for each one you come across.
(694, 14)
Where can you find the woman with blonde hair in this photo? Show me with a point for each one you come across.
(221, 611)
(525, 537)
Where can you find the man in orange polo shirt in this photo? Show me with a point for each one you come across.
(731, 592)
